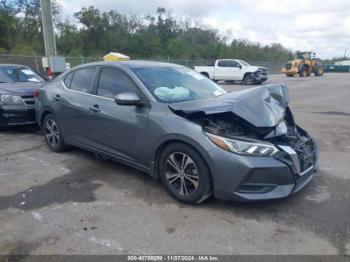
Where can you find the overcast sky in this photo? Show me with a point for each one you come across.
(322, 26)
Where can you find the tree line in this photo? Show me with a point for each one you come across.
(95, 33)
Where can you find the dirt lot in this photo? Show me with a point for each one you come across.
(72, 203)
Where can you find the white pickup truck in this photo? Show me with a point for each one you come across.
(234, 70)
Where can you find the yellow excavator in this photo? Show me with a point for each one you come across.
(303, 64)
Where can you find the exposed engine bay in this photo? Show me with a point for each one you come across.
(266, 117)
(229, 125)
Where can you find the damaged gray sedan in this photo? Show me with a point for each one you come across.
(181, 128)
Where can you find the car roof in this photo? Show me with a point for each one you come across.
(228, 59)
(132, 64)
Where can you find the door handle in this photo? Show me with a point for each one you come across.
(57, 97)
(95, 108)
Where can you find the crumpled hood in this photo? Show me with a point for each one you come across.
(19, 88)
(262, 106)
(254, 68)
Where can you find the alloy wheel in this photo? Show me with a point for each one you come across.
(182, 173)
(52, 133)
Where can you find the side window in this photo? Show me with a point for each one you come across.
(222, 63)
(83, 80)
(232, 63)
(113, 81)
(68, 79)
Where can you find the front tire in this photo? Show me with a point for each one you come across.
(249, 79)
(303, 72)
(52, 134)
(185, 174)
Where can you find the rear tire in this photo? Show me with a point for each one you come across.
(53, 134)
(185, 174)
(319, 70)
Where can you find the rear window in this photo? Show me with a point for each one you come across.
(83, 80)
(222, 63)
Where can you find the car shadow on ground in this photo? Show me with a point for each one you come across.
(27, 129)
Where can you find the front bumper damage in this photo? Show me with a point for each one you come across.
(243, 178)
(260, 75)
(262, 114)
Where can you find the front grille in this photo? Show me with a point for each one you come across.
(305, 159)
(262, 71)
(304, 147)
(28, 100)
(289, 66)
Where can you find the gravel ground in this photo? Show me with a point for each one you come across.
(72, 203)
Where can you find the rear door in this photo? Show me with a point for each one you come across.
(73, 104)
(115, 129)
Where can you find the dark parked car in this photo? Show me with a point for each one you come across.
(182, 128)
(18, 84)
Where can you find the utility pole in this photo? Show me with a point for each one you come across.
(52, 64)
(49, 37)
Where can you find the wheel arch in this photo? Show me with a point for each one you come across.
(206, 74)
(247, 73)
(157, 150)
(45, 111)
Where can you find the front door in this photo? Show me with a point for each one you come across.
(235, 70)
(115, 129)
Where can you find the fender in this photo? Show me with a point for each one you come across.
(171, 138)
(44, 111)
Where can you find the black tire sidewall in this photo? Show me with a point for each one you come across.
(204, 188)
(301, 73)
(317, 68)
(249, 77)
(60, 146)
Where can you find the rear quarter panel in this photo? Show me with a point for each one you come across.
(210, 70)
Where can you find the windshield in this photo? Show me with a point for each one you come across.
(18, 74)
(306, 56)
(244, 63)
(177, 84)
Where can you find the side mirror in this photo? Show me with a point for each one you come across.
(239, 66)
(127, 99)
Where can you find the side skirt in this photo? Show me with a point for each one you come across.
(115, 158)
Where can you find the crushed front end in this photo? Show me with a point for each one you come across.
(266, 155)
(299, 151)
(251, 178)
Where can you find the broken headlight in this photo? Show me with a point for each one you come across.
(242, 147)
